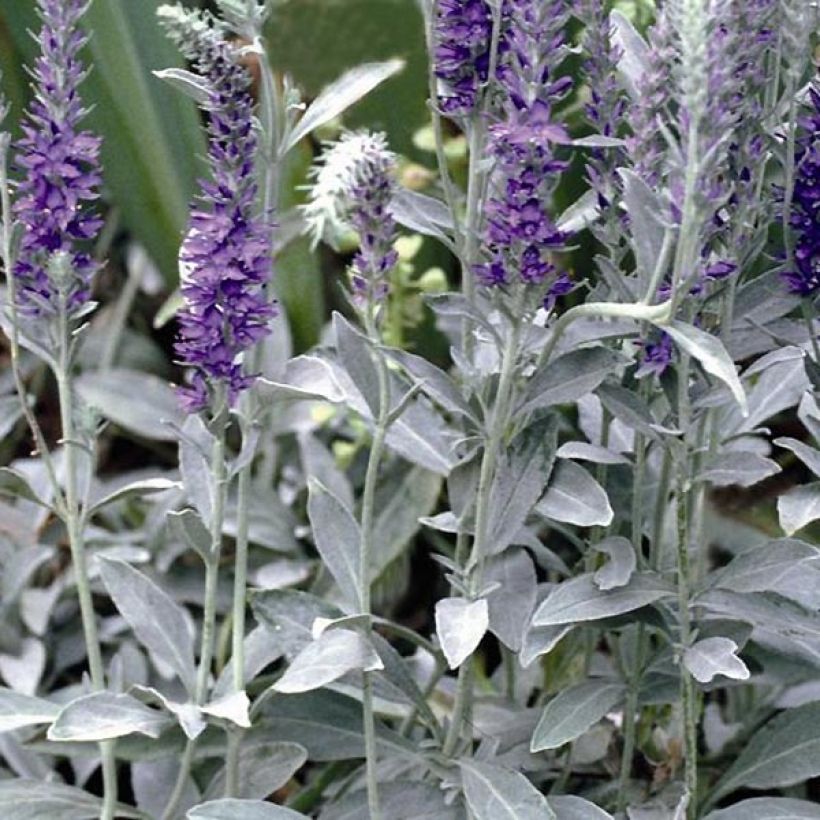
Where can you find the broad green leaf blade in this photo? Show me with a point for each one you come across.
(18, 710)
(139, 402)
(617, 571)
(768, 808)
(740, 468)
(232, 809)
(460, 626)
(569, 807)
(799, 507)
(511, 603)
(36, 799)
(569, 377)
(158, 622)
(579, 599)
(334, 653)
(337, 537)
(495, 793)
(570, 713)
(784, 752)
(711, 354)
(105, 716)
(808, 455)
(406, 800)
(340, 95)
(575, 497)
(645, 225)
(148, 486)
(714, 656)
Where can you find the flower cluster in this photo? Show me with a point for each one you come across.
(61, 166)
(461, 53)
(803, 276)
(352, 189)
(225, 259)
(520, 232)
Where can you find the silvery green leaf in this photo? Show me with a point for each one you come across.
(495, 793)
(510, 605)
(319, 462)
(35, 799)
(575, 497)
(139, 402)
(581, 214)
(435, 383)
(630, 410)
(158, 622)
(339, 96)
(334, 653)
(738, 468)
(460, 626)
(714, 656)
(235, 809)
(809, 413)
(10, 413)
(416, 800)
(153, 781)
(523, 471)
(768, 808)
(782, 753)
(23, 670)
(105, 716)
(712, 355)
(233, 707)
(260, 651)
(798, 507)
(196, 447)
(541, 640)
(16, 485)
(147, 486)
(402, 500)
(786, 566)
(583, 451)
(188, 714)
(617, 571)
(570, 807)
(633, 49)
(337, 537)
(263, 769)
(598, 141)
(355, 355)
(808, 455)
(572, 711)
(305, 377)
(18, 710)
(328, 725)
(186, 527)
(568, 378)
(579, 599)
(190, 84)
(644, 209)
(421, 213)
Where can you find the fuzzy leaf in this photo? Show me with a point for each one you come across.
(36, 799)
(460, 626)
(495, 793)
(739, 468)
(799, 507)
(575, 497)
(617, 571)
(18, 710)
(714, 656)
(769, 808)
(235, 809)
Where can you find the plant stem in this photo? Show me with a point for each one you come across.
(73, 516)
(366, 556)
(206, 654)
(498, 425)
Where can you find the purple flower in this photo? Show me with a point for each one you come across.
(353, 187)
(803, 276)
(461, 58)
(54, 271)
(226, 255)
(657, 356)
(520, 232)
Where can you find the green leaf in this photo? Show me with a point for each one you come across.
(105, 716)
(570, 713)
(340, 95)
(18, 710)
(569, 807)
(617, 571)
(738, 468)
(579, 599)
(36, 799)
(714, 656)
(711, 354)
(337, 537)
(495, 793)
(645, 225)
(147, 486)
(232, 809)
(460, 626)
(575, 497)
(768, 808)
(798, 507)
(784, 752)
(159, 623)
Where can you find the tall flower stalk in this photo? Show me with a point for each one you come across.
(50, 279)
(353, 187)
(226, 265)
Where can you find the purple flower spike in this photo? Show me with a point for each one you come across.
(520, 232)
(463, 33)
(803, 277)
(225, 260)
(62, 176)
